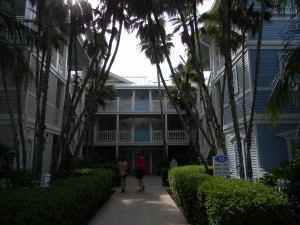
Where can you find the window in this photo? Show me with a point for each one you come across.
(59, 94)
(236, 156)
(235, 80)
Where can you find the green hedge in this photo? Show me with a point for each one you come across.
(67, 202)
(211, 200)
(184, 182)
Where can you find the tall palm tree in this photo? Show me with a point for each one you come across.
(110, 16)
(50, 20)
(155, 51)
(14, 36)
(286, 83)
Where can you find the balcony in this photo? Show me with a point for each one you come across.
(141, 136)
(125, 105)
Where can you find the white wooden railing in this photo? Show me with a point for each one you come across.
(125, 136)
(107, 136)
(125, 105)
(177, 136)
(156, 136)
(120, 105)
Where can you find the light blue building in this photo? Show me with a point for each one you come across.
(270, 145)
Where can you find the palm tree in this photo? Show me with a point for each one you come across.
(286, 83)
(106, 32)
(14, 37)
(50, 19)
(154, 51)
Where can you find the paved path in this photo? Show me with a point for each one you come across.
(154, 206)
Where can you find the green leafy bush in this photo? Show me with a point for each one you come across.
(237, 202)
(67, 201)
(289, 171)
(184, 182)
(212, 200)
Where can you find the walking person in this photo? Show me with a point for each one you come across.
(140, 166)
(123, 167)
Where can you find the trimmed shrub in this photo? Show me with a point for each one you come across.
(237, 202)
(215, 200)
(184, 182)
(69, 202)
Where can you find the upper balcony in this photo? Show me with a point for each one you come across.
(136, 106)
(140, 137)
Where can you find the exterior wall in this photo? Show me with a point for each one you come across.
(47, 155)
(132, 123)
(229, 135)
(272, 148)
(268, 148)
(55, 102)
(237, 64)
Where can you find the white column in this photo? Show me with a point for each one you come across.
(150, 100)
(117, 152)
(118, 103)
(133, 100)
(166, 128)
(117, 127)
(150, 103)
(95, 134)
(150, 129)
(165, 108)
(132, 130)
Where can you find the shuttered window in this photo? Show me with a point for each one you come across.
(235, 80)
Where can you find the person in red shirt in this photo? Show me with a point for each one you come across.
(140, 166)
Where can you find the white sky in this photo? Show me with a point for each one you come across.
(131, 62)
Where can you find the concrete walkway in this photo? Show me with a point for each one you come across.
(154, 206)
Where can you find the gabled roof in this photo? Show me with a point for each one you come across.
(116, 79)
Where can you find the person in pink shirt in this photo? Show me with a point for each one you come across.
(140, 166)
(123, 167)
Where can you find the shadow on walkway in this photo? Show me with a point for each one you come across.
(154, 206)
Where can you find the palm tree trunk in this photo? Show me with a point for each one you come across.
(257, 65)
(210, 112)
(165, 155)
(226, 26)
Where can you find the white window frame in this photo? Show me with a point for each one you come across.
(236, 157)
(235, 80)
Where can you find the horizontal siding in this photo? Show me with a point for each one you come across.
(272, 149)
(269, 66)
(262, 98)
(31, 105)
(239, 109)
(9, 79)
(231, 154)
(50, 111)
(6, 134)
(29, 144)
(261, 101)
(3, 103)
(274, 30)
(239, 68)
(52, 89)
(47, 154)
